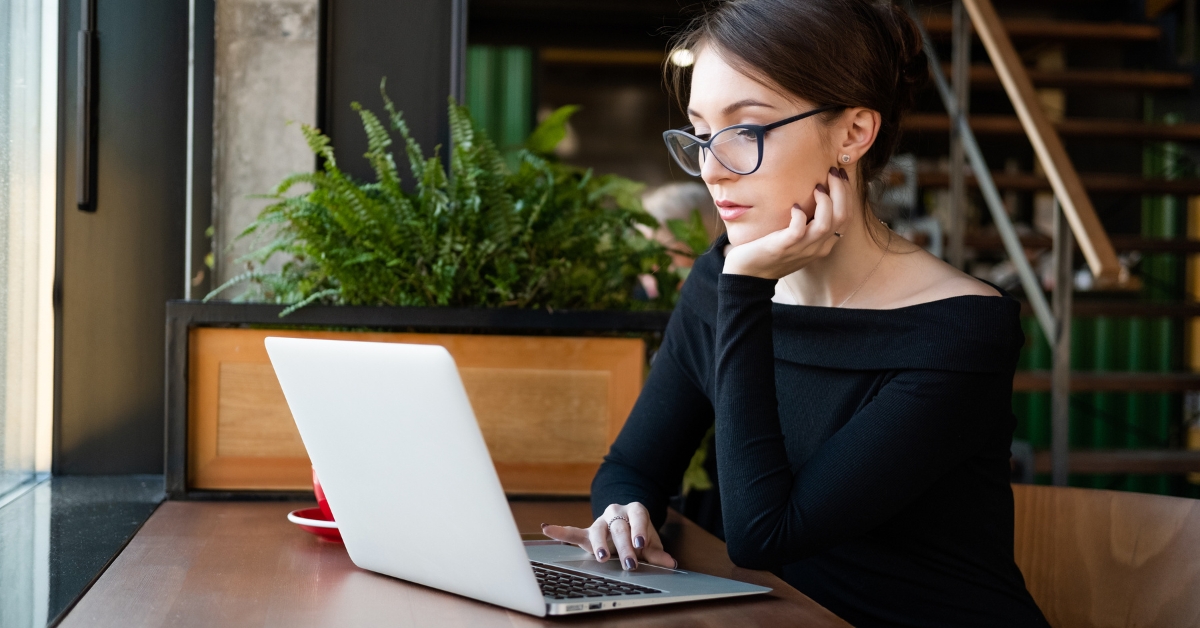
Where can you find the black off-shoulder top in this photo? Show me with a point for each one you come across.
(863, 455)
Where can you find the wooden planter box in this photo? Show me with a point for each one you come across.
(550, 391)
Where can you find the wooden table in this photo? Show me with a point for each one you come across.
(244, 564)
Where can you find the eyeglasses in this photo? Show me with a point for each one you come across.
(739, 147)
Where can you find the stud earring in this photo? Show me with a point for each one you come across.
(845, 159)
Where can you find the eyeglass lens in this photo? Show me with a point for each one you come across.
(736, 149)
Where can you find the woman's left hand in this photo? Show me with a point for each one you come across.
(781, 253)
(627, 528)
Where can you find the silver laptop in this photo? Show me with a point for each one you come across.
(393, 438)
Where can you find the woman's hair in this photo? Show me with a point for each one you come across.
(853, 53)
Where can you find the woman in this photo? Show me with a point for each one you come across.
(860, 387)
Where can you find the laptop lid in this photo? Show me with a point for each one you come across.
(392, 436)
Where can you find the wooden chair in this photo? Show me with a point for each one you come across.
(1095, 558)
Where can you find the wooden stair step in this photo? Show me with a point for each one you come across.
(1120, 242)
(986, 76)
(1072, 127)
(1092, 381)
(1169, 461)
(941, 25)
(1091, 308)
(1093, 182)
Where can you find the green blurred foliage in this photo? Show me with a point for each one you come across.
(690, 233)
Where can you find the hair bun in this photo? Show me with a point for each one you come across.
(912, 64)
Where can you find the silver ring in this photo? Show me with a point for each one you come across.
(837, 234)
(610, 521)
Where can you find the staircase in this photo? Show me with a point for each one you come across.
(1118, 85)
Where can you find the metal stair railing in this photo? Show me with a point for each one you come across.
(1074, 214)
(987, 187)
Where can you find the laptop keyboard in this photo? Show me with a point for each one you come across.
(561, 584)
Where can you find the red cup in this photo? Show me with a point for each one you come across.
(322, 501)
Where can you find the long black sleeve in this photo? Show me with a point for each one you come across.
(647, 461)
(916, 428)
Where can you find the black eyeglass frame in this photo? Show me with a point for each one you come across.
(759, 129)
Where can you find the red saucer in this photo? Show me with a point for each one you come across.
(313, 521)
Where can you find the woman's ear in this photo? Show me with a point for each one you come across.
(861, 126)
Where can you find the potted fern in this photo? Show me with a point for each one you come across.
(540, 235)
(536, 261)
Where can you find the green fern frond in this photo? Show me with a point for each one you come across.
(540, 234)
(309, 300)
(249, 275)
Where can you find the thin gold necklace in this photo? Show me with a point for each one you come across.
(862, 283)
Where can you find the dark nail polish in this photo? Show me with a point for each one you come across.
(630, 564)
(833, 170)
(843, 175)
(822, 189)
(639, 541)
(601, 554)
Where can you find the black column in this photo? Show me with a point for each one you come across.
(417, 44)
(119, 264)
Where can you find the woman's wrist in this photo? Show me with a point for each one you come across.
(731, 269)
(736, 266)
(747, 270)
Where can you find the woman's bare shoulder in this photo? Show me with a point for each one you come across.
(931, 279)
(964, 285)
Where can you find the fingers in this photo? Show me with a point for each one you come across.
(798, 225)
(639, 525)
(568, 534)
(598, 535)
(647, 546)
(653, 552)
(657, 556)
(822, 221)
(799, 218)
(839, 193)
(618, 531)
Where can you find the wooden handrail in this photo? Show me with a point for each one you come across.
(1093, 241)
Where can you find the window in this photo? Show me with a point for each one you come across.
(28, 143)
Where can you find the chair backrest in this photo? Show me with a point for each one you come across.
(1095, 558)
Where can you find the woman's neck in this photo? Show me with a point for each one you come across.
(847, 273)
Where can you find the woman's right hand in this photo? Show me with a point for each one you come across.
(781, 253)
(626, 528)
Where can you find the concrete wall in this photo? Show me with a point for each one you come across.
(266, 78)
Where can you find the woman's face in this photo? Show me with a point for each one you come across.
(796, 156)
